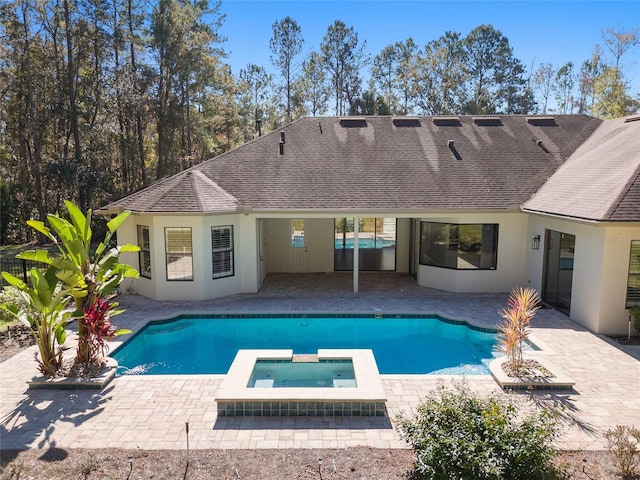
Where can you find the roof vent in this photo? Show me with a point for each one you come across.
(282, 137)
(487, 121)
(406, 122)
(539, 143)
(542, 121)
(632, 119)
(447, 121)
(281, 145)
(353, 122)
(452, 147)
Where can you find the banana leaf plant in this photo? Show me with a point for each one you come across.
(46, 316)
(88, 276)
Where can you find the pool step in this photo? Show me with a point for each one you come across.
(304, 358)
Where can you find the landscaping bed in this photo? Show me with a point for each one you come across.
(285, 464)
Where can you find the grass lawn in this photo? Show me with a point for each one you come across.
(10, 251)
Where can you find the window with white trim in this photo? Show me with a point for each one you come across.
(179, 254)
(222, 251)
(633, 280)
(144, 255)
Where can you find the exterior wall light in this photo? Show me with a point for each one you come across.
(535, 242)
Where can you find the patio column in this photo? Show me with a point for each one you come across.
(356, 226)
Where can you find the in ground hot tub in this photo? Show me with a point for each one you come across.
(278, 383)
(305, 371)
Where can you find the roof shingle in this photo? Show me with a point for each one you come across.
(379, 164)
(599, 182)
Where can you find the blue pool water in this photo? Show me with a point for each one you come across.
(366, 243)
(287, 374)
(401, 345)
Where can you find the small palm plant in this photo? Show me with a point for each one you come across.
(522, 306)
(44, 311)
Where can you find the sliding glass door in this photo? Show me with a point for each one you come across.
(376, 244)
(558, 269)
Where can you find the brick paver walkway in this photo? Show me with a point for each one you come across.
(151, 412)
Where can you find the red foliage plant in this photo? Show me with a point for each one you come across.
(97, 322)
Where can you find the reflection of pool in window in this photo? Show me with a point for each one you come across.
(297, 241)
(365, 243)
(566, 263)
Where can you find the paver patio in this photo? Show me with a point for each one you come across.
(150, 412)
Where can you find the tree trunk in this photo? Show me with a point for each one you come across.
(73, 111)
(134, 75)
(36, 166)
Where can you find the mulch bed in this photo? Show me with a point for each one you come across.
(14, 339)
(286, 464)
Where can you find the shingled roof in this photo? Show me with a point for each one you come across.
(600, 181)
(399, 164)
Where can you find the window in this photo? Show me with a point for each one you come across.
(179, 253)
(462, 247)
(633, 282)
(144, 255)
(297, 233)
(222, 251)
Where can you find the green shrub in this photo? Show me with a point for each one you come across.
(456, 434)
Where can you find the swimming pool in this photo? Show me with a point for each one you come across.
(414, 344)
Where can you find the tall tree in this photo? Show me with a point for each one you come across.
(285, 44)
(563, 86)
(496, 82)
(619, 41)
(589, 71)
(407, 56)
(441, 75)
(370, 104)
(543, 81)
(343, 57)
(25, 89)
(254, 88)
(312, 89)
(186, 55)
(71, 92)
(392, 70)
(137, 104)
(611, 96)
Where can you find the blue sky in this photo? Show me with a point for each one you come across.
(538, 31)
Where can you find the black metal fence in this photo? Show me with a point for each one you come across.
(19, 268)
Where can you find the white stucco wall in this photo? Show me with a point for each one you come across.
(402, 245)
(512, 245)
(127, 233)
(601, 267)
(277, 244)
(202, 286)
(617, 244)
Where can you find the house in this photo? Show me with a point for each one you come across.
(464, 204)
